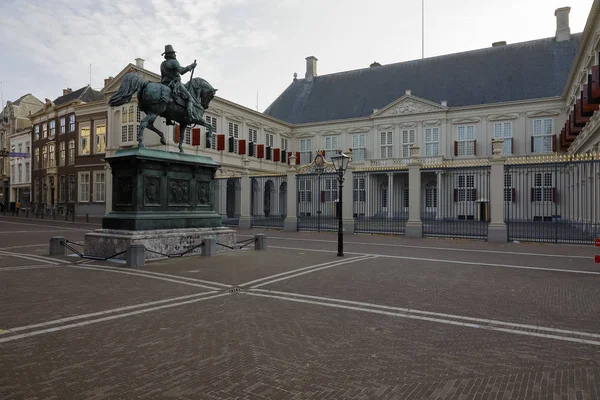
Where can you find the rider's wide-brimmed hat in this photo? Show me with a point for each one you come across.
(168, 49)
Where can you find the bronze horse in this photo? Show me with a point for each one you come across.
(155, 99)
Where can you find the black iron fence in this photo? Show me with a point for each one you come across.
(455, 202)
(557, 202)
(317, 200)
(228, 198)
(380, 201)
(268, 201)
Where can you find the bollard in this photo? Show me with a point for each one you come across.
(210, 247)
(260, 242)
(57, 248)
(27, 213)
(73, 216)
(87, 217)
(54, 215)
(66, 215)
(42, 214)
(135, 256)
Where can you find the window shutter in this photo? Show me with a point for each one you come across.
(455, 149)
(220, 142)
(276, 155)
(231, 144)
(269, 152)
(251, 149)
(297, 158)
(283, 156)
(514, 194)
(242, 147)
(532, 195)
(289, 155)
(554, 198)
(512, 146)
(195, 136)
(322, 196)
(455, 194)
(260, 151)
(177, 133)
(474, 147)
(532, 139)
(554, 144)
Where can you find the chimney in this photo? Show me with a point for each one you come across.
(444, 103)
(67, 91)
(498, 44)
(139, 62)
(563, 32)
(107, 81)
(311, 68)
(408, 92)
(375, 64)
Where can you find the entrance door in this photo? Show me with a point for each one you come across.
(230, 207)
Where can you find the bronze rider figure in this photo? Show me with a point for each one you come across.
(170, 72)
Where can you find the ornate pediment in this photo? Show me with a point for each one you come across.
(116, 81)
(471, 120)
(503, 117)
(537, 114)
(408, 105)
(359, 130)
(306, 135)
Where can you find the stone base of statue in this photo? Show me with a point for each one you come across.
(159, 196)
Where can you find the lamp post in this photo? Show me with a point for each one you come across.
(340, 162)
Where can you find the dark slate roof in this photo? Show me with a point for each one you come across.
(86, 94)
(520, 71)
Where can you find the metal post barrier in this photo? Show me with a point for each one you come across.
(57, 247)
(260, 242)
(73, 215)
(53, 215)
(87, 217)
(27, 213)
(209, 248)
(135, 256)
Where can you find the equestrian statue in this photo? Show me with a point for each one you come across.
(171, 99)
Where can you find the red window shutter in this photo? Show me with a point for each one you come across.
(220, 142)
(514, 195)
(455, 194)
(554, 144)
(289, 155)
(322, 196)
(260, 151)
(554, 198)
(195, 136)
(532, 138)
(297, 158)
(177, 133)
(475, 147)
(276, 155)
(323, 152)
(455, 149)
(242, 147)
(532, 195)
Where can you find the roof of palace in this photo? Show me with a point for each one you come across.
(520, 71)
(86, 94)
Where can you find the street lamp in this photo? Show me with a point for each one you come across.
(340, 162)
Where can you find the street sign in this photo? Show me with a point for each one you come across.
(6, 153)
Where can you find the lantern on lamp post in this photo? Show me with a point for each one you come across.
(340, 163)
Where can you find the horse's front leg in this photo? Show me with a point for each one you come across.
(181, 136)
(154, 129)
(143, 125)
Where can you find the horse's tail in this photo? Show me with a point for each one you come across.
(129, 85)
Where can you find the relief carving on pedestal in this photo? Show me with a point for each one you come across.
(151, 191)
(203, 192)
(179, 192)
(123, 191)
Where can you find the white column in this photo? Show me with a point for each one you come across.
(245, 221)
(414, 225)
(390, 193)
(440, 194)
(109, 189)
(348, 201)
(291, 220)
(497, 231)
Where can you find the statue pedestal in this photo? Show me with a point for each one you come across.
(161, 199)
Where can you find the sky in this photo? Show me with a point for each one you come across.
(249, 49)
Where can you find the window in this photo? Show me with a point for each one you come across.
(331, 189)
(252, 140)
(84, 140)
(384, 196)
(84, 187)
(284, 144)
(71, 188)
(234, 133)
(305, 151)
(13, 173)
(269, 140)
(213, 122)
(27, 148)
(44, 130)
(71, 152)
(72, 123)
(36, 158)
(542, 187)
(432, 141)
(100, 187)
(62, 189)
(405, 199)
(44, 190)
(466, 141)
(187, 137)
(358, 148)
(52, 155)
(331, 146)
(408, 139)
(101, 138)
(503, 130)
(359, 189)
(305, 190)
(62, 154)
(508, 190)
(543, 135)
(36, 131)
(27, 173)
(44, 157)
(466, 188)
(36, 190)
(52, 124)
(63, 125)
(431, 195)
(128, 123)
(386, 144)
